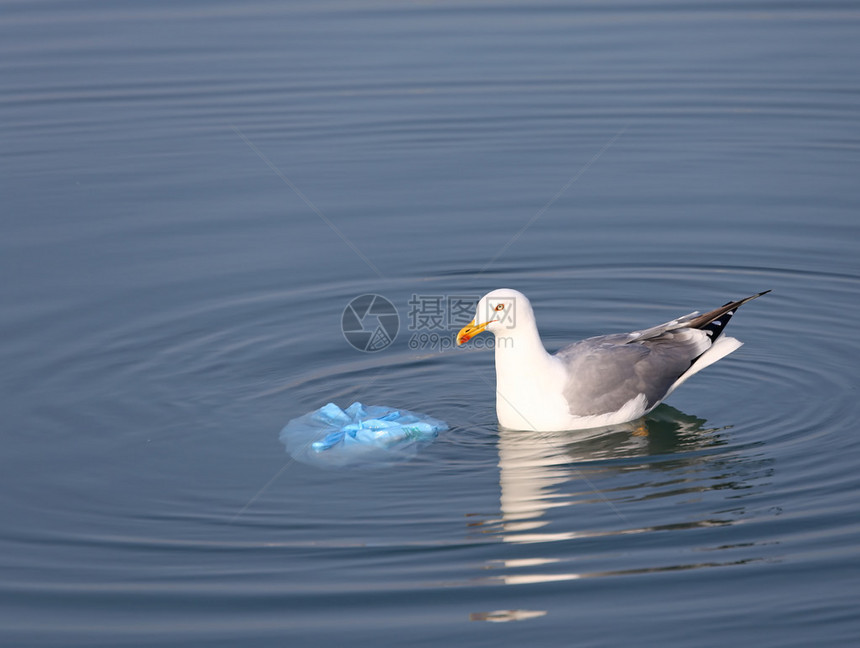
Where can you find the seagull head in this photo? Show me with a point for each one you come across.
(497, 312)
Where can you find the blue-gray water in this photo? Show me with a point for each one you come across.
(191, 195)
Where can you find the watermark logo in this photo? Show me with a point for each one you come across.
(370, 323)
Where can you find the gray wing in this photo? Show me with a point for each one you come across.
(607, 371)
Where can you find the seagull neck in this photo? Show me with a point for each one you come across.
(520, 348)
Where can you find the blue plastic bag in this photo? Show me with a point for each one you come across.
(357, 434)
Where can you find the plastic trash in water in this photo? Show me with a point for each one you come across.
(331, 435)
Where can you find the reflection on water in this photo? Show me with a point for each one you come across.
(622, 470)
(533, 465)
(502, 616)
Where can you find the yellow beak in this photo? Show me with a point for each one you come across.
(469, 331)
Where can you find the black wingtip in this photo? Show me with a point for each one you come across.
(745, 299)
(714, 323)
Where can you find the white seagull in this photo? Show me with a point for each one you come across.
(603, 380)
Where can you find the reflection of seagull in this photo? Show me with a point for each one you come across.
(541, 474)
(534, 468)
(603, 380)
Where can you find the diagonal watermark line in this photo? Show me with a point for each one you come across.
(581, 475)
(552, 200)
(261, 491)
(334, 228)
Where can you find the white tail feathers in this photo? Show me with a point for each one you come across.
(719, 349)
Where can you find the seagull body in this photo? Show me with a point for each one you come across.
(603, 380)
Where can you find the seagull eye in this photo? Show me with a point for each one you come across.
(500, 307)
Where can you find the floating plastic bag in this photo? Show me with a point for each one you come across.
(359, 433)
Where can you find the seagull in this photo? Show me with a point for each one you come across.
(599, 381)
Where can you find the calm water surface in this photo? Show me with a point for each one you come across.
(191, 196)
